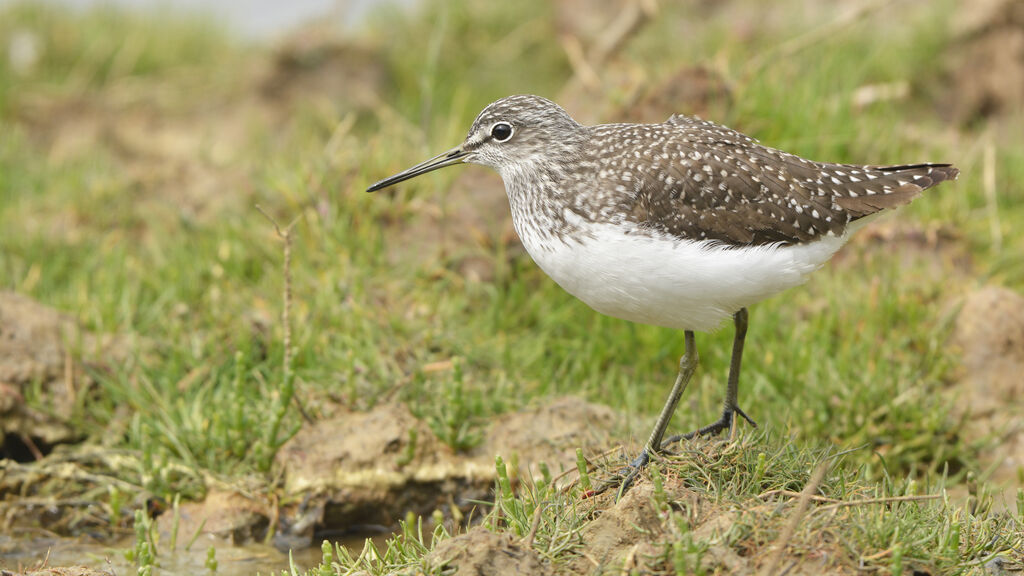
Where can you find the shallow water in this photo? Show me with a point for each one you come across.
(24, 553)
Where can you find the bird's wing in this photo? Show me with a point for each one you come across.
(705, 181)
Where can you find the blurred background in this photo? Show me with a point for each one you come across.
(143, 294)
(258, 19)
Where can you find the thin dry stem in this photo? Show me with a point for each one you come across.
(888, 500)
(285, 235)
(806, 495)
(792, 494)
(582, 70)
(69, 376)
(534, 526)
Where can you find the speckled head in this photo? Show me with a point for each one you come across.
(515, 133)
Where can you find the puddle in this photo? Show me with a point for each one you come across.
(26, 554)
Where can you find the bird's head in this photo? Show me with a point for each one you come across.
(513, 133)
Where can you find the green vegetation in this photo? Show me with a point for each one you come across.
(136, 238)
(858, 524)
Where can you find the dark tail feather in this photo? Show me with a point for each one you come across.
(929, 174)
(901, 184)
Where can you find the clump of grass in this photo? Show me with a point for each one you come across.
(406, 550)
(454, 412)
(542, 514)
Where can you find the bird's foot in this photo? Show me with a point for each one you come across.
(624, 481)
(722, 424)
(635, 468)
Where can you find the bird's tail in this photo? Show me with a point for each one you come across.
(887, 187)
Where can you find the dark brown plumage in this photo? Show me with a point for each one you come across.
(701, 181)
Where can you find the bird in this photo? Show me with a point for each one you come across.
(683, 224)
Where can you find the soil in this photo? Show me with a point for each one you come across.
(481, 552)
(360, 471)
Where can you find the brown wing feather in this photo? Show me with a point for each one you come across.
(719, 184)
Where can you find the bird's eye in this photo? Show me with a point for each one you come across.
(501, 131)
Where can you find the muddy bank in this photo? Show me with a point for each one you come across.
(362, 471)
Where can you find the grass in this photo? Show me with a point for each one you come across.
(192, 282)
(854, 524)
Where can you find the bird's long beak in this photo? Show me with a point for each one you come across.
(453, 156)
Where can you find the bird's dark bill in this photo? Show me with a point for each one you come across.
(453, 156)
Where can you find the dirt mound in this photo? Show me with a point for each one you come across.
(937, 252)
(616, 534)
(313, 62)
(986, 63)
(185, 156)
(226, 516)
(989, 333)
(39, 348)
(549, 433)
(362, 471)
(481, 552)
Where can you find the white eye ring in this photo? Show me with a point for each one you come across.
(501, 131)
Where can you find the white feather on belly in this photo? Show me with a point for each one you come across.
(685, 284)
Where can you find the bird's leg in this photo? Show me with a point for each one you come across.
(731, 408)
(687, 366)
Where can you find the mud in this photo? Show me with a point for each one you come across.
(223, 517)
(45, 555)
(361, 471)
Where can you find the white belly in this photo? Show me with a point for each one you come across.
(691, 285)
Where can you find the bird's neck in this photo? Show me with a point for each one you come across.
(546, 203)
